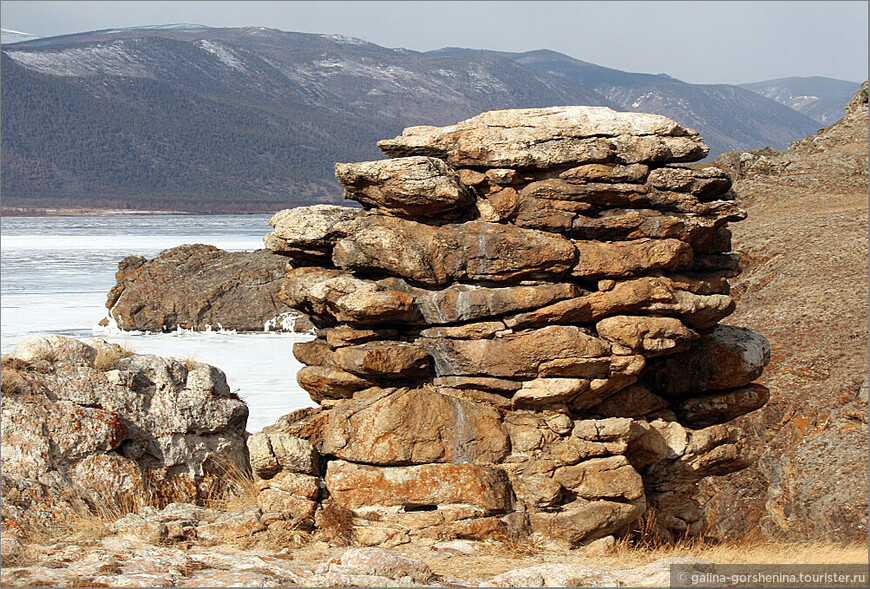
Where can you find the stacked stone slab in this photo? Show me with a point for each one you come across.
(518, 332)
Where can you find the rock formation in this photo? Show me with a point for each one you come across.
(201, 287)
(90, 425)
(519, 332)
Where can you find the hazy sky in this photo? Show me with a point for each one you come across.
(701, 42)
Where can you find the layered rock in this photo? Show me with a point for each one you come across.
(201, 287)
(519, 332)
(88, 423)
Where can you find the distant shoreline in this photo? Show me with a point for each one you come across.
(96, 212)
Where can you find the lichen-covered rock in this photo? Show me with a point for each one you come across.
(356, 486)
(90, 421)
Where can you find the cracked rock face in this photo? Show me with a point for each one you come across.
(528, 305)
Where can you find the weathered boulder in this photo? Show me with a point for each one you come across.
(386, 359)
(628, 258)
(379, 562)
(601, 478)
(646, 334)
(554, 575)
(727, 357)
(274, 452)
(587, 520)
(201, 287)
(706, 234)
(721, 406)
(89, 421)
(408, 187)
(330, 382)
(466, 302)
(514, 355)
(331, 295)
(509, 280)
(658, 296)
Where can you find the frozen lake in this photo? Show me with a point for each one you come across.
(55, 273)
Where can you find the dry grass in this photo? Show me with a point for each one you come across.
(335, 524)
(293, 535)
(92, 511)
(232, 488)
(495, 558)
(107, 356)
(13, 378)
(757, 551)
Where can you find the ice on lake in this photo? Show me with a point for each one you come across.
(56, 272)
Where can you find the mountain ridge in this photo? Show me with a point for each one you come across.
(818, 97)
(250, 119)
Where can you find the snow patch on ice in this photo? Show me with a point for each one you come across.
(285, 322)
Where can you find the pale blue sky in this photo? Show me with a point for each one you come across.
(701, 42)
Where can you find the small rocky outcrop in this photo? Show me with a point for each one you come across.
(201, 287)
(88, 424)
(518, 333)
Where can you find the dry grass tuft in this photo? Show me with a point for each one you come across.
(278, 536)
(13, 380)
(520, 547)
(231, 488)
(93, 510)
(335, 524)
(107, 356)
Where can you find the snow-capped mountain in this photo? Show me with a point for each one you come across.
(255, 118)
(821, 99)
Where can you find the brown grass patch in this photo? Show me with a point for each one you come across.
(231, 488)
(278, 536)
(108, 355)
(335, 524)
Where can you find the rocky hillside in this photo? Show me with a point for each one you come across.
(819, 98)
(804, 287)
(194, 118)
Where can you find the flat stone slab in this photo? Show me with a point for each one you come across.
(543, 138)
